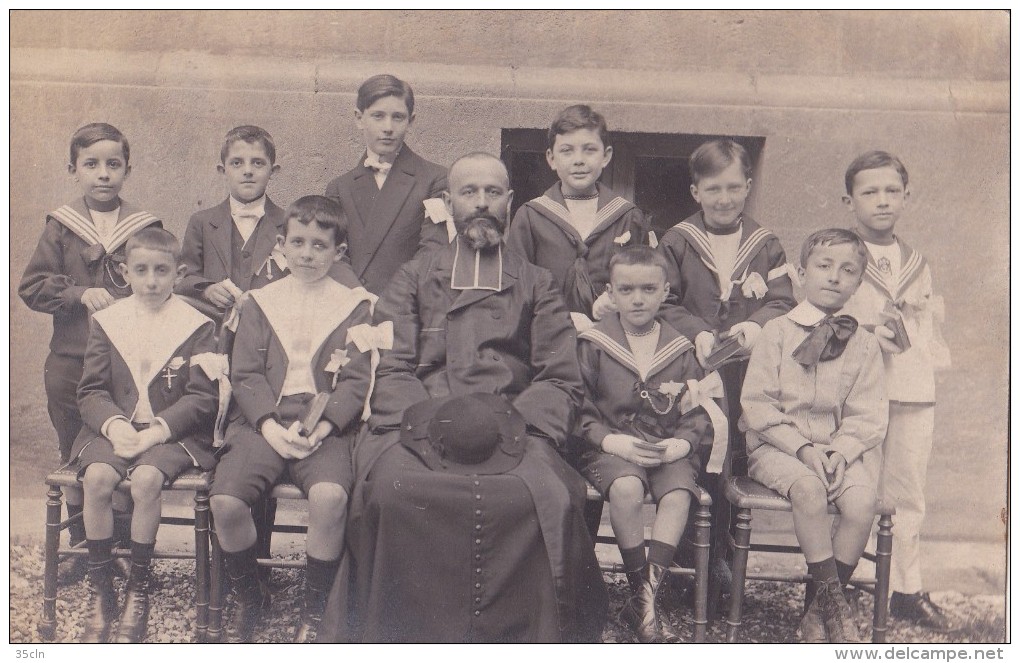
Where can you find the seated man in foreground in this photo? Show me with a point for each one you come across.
(456, 548)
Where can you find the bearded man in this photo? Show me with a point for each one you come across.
(445, 546)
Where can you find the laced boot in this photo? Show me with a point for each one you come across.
(134, 618)
(102, 604)
(812, 624)
(639, 611)
(839, 621)
(659, 579)
(311, 615)
(250, 598)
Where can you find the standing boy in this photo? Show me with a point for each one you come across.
(148, 405)
(727, 278)
(576, 226)
(228, 249)
(75, 271)
(814, 404)
(383, 197)
(292, 344)
(643, 426)
(897, 292)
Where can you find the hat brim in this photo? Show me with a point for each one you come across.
(414, 435)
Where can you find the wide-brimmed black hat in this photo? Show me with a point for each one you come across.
(472, 434)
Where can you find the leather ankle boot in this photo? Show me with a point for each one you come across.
(839, 621)
(250, 598)
(102, 604)
(639, 611)
(659, 578)
(134, 618)
(311, 615)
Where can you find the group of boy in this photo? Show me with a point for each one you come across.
(139, 399)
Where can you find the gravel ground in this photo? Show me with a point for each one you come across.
(771, 610)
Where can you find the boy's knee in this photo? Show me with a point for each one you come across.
(100, 480)
(808, 493)
(627, 489)
(330, 497)
(146, 483)
(228, 508)
(858, 503)
(675, 499)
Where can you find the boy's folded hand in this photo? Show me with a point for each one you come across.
(96, 299)
(125, 439)
(220, 295)
(835, 468)
(634, 449)
(279, 439)
(815, 460)
(704, 343)
(885, 337)
(746, 332)
(676, 449)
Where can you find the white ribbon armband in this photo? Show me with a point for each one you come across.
(371, 338)
(217, 367)
(435, 210)
(702, 393)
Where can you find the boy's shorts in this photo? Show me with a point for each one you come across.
(778, 470)
(250, 467)
(602, 469)
(170, 459)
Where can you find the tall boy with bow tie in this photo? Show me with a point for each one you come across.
(74, 272)
(385, 196)
(148, 403)
(897, 294)
(815, 404)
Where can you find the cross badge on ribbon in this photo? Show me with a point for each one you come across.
(169, 374)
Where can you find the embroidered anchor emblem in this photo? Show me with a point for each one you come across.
(169, 375)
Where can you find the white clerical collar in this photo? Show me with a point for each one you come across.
(477, 270)
(807, 314)
(256, 207)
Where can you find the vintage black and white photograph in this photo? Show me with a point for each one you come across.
(509, 326)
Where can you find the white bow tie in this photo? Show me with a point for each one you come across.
(376, 165)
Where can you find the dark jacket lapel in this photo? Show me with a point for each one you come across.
(222, 225)
(389, 201)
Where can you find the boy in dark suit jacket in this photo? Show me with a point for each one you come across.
(383, 196)
(148, 407)
(228, 249)
(291, 344)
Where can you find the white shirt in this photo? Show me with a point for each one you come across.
(643, 348)
(297, 332)
(105, 223)
(380, 175)
(889, 260)
(583, 215)
(246, 215)
(724, 250)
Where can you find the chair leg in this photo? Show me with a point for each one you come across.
(702, 543)
(741, 546)
(48, 624)
(216, 579)
(883, 566)
(201, 565)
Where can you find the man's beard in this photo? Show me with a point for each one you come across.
(481, 231)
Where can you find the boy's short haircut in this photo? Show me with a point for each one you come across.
(91, 134)
(154, 239)
(325, 212)
(833, 237)
(384, 85)
(713, 157)
(638, 255)
(579, 116)
(249, 134)
(870, 161)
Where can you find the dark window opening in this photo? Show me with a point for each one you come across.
(647, 168)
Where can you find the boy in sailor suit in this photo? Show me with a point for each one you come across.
(727, 278)
(643, 424)
(578, 224)
(148, 405)
(74, 272)
(300, 336)
(898, 284)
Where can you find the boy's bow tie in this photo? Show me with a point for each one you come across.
(376, 165)
(826, 341)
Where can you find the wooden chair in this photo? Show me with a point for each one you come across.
(745, 495)
(701, 538)
(193, 480)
